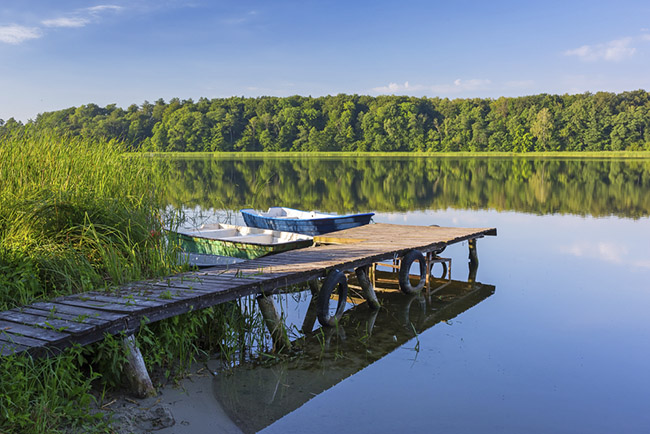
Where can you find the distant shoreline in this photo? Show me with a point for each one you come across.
(280, 154)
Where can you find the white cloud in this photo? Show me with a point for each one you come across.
(457, 86)
(15, 34)
(65, 22)
(102, 8)
(612, 51)
(608, 252)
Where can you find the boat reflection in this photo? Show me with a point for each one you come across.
(256, 395)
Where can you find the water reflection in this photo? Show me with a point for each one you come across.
(532, 185)
(254, 396)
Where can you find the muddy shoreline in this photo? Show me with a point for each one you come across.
(188, 406)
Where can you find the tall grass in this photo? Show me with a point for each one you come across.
(74, 215)
(77, 215)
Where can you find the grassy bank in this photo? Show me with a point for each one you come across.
(242, 155)
(77, 215)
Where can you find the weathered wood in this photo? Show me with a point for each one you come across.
(51, 307)
(274, 324)
(48, 323)
(136, 370)
(12, 338)
(49, 335)
(82, 319)
(366, 286)
(86, 318)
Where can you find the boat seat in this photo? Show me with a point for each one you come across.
(255, 238)
(217, 233)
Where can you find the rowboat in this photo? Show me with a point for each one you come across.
(238, 241)
(303, 222)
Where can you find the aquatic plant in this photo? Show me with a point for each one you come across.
(78, 215)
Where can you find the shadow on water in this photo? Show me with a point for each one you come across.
(256, 395)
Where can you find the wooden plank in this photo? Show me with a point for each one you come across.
(12, 338)
(82, 319)
(33, 332)
(77, 311)
(48, 323)
(7, 349)
(166, 293)
(200, 287)
(97, 305)
(128, 300)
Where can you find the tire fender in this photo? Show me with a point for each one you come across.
(334, 279)
(404, 270)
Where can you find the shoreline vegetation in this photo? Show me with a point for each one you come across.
(343, 154)
(69, 223)
(585, 122)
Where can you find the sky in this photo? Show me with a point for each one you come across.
(56, 54)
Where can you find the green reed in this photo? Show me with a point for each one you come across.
(77, 215)
(74, 215)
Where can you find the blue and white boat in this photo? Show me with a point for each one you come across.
(303, 222)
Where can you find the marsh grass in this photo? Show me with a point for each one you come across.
(77, 215)
(74, 215)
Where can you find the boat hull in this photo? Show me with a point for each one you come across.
(195, 242)
(315, 226)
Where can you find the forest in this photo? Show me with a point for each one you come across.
(357, 123)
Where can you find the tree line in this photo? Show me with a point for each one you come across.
(584, 122)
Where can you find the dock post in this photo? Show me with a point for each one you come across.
(274, 323)
(473, 260)
(314, 287)
(311, 316)
(136, 371)
(366, 285)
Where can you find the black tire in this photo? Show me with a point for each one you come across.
(334, 279)
(404, 269)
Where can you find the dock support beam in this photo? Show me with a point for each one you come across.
(314, 287)
(311, 316)
(473, 260)
(366, 286)
(274, 323)
(136, 371)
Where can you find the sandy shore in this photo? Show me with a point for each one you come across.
(189, 407)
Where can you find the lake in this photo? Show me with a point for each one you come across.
(555, 339)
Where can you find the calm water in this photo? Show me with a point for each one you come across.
(556, 341)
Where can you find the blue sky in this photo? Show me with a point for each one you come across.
(63, 53)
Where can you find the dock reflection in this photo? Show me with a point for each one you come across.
(256, 395)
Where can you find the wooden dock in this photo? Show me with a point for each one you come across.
(46, 328)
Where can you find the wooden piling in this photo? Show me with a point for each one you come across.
(368, 290)
(274, 324)
(136, 371)
(473, 260)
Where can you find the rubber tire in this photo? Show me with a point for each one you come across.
(405, 268)
(334, 278)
